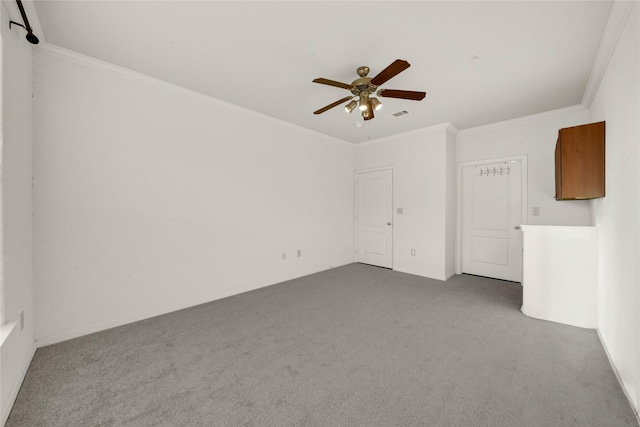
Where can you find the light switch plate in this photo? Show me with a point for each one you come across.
(535, 211)
(399, 211)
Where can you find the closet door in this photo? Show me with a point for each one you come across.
(491, 217)
(374, 230)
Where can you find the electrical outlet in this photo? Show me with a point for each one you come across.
(299, 253)
(413, 252)
(284, 256)
(21, 320)
(399, 211)
(535, 211)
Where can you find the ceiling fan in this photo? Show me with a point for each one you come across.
(364, 87)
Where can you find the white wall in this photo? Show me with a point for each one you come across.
(560, 274)
(18, 349)
(617, 215)
(535, 137)
(148, 199)
(420, 161)
(451, 214)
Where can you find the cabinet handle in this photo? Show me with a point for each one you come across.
(517, 227)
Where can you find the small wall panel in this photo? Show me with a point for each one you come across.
(490, 250)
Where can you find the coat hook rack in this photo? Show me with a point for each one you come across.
(486, 170)
(31, 38)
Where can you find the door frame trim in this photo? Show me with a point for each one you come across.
(525, 198)
(355, 211)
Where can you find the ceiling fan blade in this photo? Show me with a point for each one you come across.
(396, 67)
(330, 106)
(402, 94)
(332, 83)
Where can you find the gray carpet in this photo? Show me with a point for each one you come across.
(352, 346)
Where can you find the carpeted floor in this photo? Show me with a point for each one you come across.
(351, 346)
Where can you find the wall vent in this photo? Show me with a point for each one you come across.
(400, 113)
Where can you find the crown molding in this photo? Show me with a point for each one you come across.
(97, 64)
(445, 126)
(450, 128)
(618, 16)
(524, 119)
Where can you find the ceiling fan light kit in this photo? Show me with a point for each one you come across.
(375, 104)
(364, 99)
(364, 87)
(350, 106)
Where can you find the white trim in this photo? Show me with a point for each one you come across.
(562, 228)
(6, 330)
(518, 120)
(125, 320)
(618, 16)
(143, 315)
(618, 377)
(121, 321)
(451, 128)
(525, 199)
(13, 394)
(377, 169)
(97, 64)
(444, 126)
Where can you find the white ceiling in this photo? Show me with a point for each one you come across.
(533, 56)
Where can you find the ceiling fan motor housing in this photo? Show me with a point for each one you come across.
(363, 85)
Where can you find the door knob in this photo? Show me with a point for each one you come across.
(517, 227)
(389, 223)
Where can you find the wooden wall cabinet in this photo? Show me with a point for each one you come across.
(580, 162)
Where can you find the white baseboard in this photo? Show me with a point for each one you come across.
(120, 321)
(16, 386)
(619, 378)
(157, 311)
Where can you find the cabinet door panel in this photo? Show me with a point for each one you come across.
(580, 162)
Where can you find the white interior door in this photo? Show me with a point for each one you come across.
(374, 208)
(492, 206)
